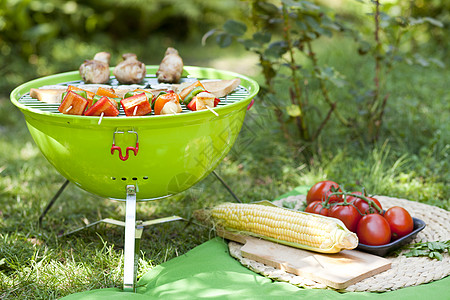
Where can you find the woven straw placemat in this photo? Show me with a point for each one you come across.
(404, 272)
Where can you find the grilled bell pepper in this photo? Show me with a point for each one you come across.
(167, 103)
(192, 94)
(149, 95)
(105, 106)
(115, 101)
(81, 93)
(192, 105)
(73, 104)
(136, 105)
(101, 91)
(89, 95)
(186, 91)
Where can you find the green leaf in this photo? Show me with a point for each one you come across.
(267, 8)
(276, 49)
(224, 40)
(312, 23)
(430, 245)
(331, 75)
(262, 37)
(293, 4)
(290, 205)
(293, 111)
(364, 47)
(311, 6)
(329, 24)
(249, 44)
(235, 28)
(311, 35)
(435, 254)
(301, 25)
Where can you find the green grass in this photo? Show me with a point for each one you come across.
(411, 161)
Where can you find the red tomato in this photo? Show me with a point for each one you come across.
(316, 207)
(363, 206)
(373, 229)
(321, 190)
(400, 221)
(347, 214)
(352, 198)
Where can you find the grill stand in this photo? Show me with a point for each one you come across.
(64, 185)
(129, 254)
(133, 234)
(133, 229)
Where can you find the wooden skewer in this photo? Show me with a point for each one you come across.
(174, 112)
(101, 118)
(212, 110)
(69, 108)
(135, 110)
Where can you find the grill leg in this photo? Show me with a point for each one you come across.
(227, 187)
(52, 201)
(129, 270)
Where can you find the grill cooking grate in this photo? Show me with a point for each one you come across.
(150, 81)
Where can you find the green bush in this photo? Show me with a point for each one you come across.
(43, 37)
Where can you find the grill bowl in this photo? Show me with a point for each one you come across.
(175, 151)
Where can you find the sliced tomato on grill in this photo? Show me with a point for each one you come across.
(216, 101)
(105, 106)
(136, 105)
(73, 104)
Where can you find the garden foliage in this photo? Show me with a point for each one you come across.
(283, 32)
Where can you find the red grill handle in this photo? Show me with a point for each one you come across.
(124, 158)
(251, 104)
(128, 149)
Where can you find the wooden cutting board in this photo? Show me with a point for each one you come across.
(338, 270)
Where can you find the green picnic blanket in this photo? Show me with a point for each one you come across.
(208, 271)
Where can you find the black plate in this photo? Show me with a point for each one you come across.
(382, 250)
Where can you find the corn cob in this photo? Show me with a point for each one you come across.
(294, 228)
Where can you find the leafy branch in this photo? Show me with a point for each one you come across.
(280, 32)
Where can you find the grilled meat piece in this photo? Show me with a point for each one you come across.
(97, 69)
(171, 67)
(130, 70)
(203, 100)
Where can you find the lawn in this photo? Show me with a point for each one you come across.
(409, 161)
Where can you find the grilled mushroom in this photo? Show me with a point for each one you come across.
(130, 70)
(171, 67)
(96, 70)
